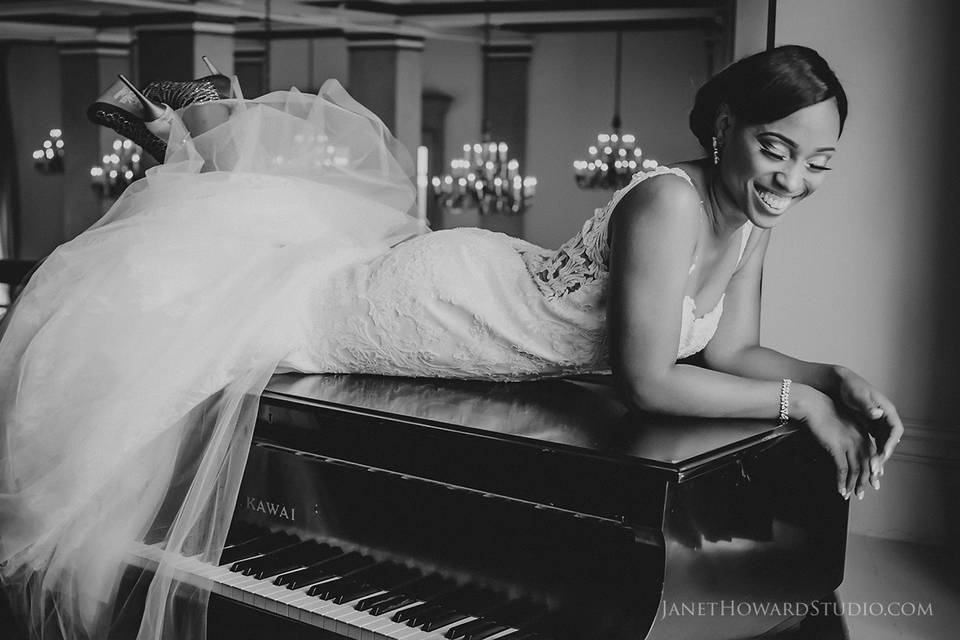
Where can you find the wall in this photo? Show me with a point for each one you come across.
(864, 273)
(571, 101)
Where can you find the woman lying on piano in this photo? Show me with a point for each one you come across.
(275, 236)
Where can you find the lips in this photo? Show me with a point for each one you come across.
(774, 202)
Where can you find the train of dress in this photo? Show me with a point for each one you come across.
(131, 365)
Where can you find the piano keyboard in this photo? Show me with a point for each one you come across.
(352, 594)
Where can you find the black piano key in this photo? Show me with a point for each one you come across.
(366, 603)
(351, 595)
(430, 586)
(407, 614)
(388, 576)
(324, 553)
(391, 604)
(444, 619)
(469, 601)
(505, 613)
(491, 629)
(330, 569)
(255, 547)
(462, 630)
(311, 556)
(249, 566)
(312, 574)
(420, 615)
(405, 578)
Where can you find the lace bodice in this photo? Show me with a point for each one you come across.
(580, 266)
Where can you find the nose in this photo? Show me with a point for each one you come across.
(791, 179)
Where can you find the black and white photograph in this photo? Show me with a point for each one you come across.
(479, 320)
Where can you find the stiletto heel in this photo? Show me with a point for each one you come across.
(122, 109)
(213, 69)
(220, 81)
(157, 118)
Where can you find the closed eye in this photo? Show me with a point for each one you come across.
(773, 155)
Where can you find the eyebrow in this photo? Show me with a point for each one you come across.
(790, 142)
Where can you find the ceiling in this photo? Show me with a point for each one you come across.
(66, 20)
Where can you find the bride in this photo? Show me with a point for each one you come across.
(275, 237)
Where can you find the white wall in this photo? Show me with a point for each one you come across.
(864, 273)
(571, 100)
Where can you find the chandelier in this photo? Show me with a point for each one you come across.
(616, 156)
(485, 178)
(49, 159)
(117, 170)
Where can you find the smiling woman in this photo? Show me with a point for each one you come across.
(131, 365)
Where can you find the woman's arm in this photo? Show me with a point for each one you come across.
(736, 349)
(653, 236)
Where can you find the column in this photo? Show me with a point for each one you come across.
(172, 51)
(506, 68)
(86, 69)
(385, 76)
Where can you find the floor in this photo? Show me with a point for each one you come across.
(900, 575)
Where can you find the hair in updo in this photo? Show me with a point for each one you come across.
(765, 87)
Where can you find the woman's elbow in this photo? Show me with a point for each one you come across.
(647, 392)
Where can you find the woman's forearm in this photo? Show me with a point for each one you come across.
(695, 391)
(768, 364)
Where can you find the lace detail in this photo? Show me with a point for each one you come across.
(583, 259)
(576, 272)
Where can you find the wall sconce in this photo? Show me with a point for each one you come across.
(49, 159)
(117, 170)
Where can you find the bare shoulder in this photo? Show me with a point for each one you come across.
(666, 202)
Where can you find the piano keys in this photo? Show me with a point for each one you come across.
(425, 509)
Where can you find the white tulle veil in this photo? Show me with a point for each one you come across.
(132, 363)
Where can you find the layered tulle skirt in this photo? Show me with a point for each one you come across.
(132, 363)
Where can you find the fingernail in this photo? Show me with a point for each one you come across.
(875, 483)
(860, 494)
(876, 412)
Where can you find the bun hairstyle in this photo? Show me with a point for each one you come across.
(764, 87)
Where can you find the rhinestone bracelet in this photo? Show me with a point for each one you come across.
(785, 400)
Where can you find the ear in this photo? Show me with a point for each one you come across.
(723, 123)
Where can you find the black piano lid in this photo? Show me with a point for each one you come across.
(561, 414)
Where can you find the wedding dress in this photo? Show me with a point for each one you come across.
(281, 240)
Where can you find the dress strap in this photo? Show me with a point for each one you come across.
(642, 175)
(747, 227)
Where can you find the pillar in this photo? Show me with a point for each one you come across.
(86, 69)
(173, 51)
(386, 77)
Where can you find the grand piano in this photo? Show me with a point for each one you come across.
(390, 508)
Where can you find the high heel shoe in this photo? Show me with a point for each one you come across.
(215, 86)
(127, 111)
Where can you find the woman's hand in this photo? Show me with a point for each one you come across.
(875, 412)
(852, 450)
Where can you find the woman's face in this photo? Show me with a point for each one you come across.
(767, 168)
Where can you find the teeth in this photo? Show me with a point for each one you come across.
(775, 202)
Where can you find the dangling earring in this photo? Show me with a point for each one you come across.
(716, 151)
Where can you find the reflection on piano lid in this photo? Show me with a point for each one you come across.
(425, 509)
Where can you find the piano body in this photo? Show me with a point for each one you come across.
(383, 508)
